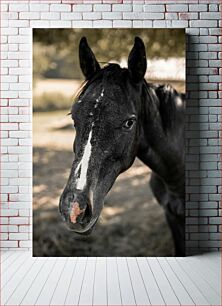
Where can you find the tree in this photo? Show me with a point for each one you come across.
(107, 44)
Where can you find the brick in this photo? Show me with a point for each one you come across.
(18, 7)
(71, 16)
(20, 182)
(210, 16)
(122, 7)
(204, 31)
(177, 8)
(60, 23)
(19, 150)
(147, 24)
(83, 23)
(29, 15)
(171, 16)
(19, 118)
(213, 7)
(215, 236)
(208, 212)
(19, 86)
(19, 220)
(3, 220)
(137, 7)
(82, 8)
(122, 23)
(92, 15)
(9, 63)
(209, 228)
(154, 8)
(4, 7)
(208, 39)
(214, 47)
(203, 23)
(112, 15)
(24, 229)
(133, 15)
(9, 126)
(9, 212)
(210, 244)
(161, 23)
(215, 63)
(25, 244)
(9, 142)
(60, 7)
(215, 78)
(18, 236)
(215, 31)
(9, 228)
(19, 102)
(52, 15)
(20, 71)
(197, 7)
(187, 16)
(199, 236)
(102, 7)
(9, 244)
(102, 23)
(180, 23)
(137, 23)
(24, 212)
(9, 173)
(18, 23)
(25, 31)
(9, 31)
(208, 205)
(39, 23)
(39, 7)
(18, 55)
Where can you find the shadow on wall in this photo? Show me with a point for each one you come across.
(194, 221)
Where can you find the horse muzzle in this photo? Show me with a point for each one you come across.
(76, 210)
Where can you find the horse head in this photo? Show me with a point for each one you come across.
(106, 116)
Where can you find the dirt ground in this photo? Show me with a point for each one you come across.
(131, 224)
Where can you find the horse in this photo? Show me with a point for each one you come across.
(118, 116)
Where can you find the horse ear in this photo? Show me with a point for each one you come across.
(87, 59)
(137, 61)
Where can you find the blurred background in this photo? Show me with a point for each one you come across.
(132, 223)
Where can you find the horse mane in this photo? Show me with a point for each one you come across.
(164, 99)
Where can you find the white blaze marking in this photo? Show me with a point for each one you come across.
(83, 164)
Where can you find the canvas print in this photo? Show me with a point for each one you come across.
(109, 155)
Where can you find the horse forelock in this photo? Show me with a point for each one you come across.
(109, 74)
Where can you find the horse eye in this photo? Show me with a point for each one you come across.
(128, 124)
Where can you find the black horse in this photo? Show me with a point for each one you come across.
(118, 116)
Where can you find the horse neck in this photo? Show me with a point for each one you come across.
(155, 149)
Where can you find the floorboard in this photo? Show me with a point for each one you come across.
(100, 283)
(165, 287)
(193, 280)
(207, 291)
(188, 282)
(182, 295)
(113, 284)
(73, 294)
(152, 288)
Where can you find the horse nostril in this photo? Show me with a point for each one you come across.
(80, 218)
(76, 212)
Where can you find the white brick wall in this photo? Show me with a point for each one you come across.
(201, 19)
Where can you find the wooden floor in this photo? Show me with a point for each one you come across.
(110, 281)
